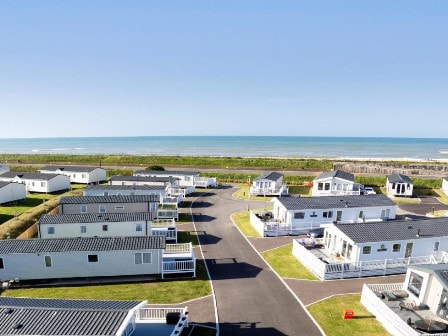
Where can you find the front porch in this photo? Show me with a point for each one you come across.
(166, 228)
(168, 211)
(313, 254)
(179, 259)
(399, 322)
(272, 191)
(160, 321)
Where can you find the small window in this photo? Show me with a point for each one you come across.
(396, 247)
(361, 214)
(83, 229)
(152, 207)
(299, 215)
(42, 184)
(83, 208)
(92, 258)
(102, 208)
(2, 265)
(138, 227)
(320, 186)
(32, 183)
(415, 284)
(436, 246)
(50, 230)
(327, 214)
(105, 227)
(119, 207)
(47, 261)
(74, 175)
(138, 258)
(106, 193)
(327, 186)
(146, 258)
(366, 249)
(83, 176)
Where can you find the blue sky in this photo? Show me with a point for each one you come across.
(336, 68)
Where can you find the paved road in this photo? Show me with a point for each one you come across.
(426, 206)
(251, 299)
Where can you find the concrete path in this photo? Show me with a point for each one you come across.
(312, 291)
(251, 299)
(426, 206)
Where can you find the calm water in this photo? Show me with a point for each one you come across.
(397, 148)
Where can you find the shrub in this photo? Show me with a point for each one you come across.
(156, 167)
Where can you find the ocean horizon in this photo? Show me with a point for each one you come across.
(243, 146)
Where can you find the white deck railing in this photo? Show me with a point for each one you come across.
(205, 182)
(166, 223)
(167, 214)
(180, 266)
(178, 248)
(283, 190)
(168, 234)
(341, 270)
(158, 315)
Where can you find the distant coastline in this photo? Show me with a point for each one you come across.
(327, 148)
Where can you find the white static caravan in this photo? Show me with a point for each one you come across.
(445, 185)
(380, 248)
(78, 174)
(335, 183)
(109, 204)
(12, 191)
(169, 182)
(399, 185)
(118, 190)
(67, 258)
(49, 317)
(311, 212)
(270, 184)
(4, 168)
(92, 225)
(186, 178)
(38, 182)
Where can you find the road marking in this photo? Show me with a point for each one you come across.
(180, 303)
(330, 296)
(283, 281)
(275, 248)
(205, 263)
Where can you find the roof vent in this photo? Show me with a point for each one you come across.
(17, 326)
(7, 311)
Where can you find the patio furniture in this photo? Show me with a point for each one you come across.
(390, 296)
(400, 293)
(430, 326)
(307, 242)
(410, 306)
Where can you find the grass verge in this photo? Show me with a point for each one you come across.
(187, 237)
(300, 190)
(286, 265)
(328, 314)
(241, 219)
(156, 292)
(441, 196)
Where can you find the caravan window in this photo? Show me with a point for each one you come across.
(366, 249)
(299, 215)
(396, 247)
(92, 258)
(415, 284)
(50, 230)
(138, 227)
(47, 261)
(320, 186)
(83, 208)
(2, 265)
(83, 229)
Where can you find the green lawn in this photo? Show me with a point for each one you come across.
(300, 190)
(328, 314)
(286, 265)
(241, 219)
(184, 218)
(13, 210)
(156, 292)
(187, 237)
(243, 193)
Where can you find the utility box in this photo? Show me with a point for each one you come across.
(348, 314)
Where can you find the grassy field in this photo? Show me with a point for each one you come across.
(328, 314)
(243, 193)
(149, 160)
(156, 292)
(187, 237)
(241, 219)
(286, 265)
(13, 210)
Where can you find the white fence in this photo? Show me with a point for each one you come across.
(158, 315)
(168, 234)
(283, 190)
(181, 266)
(361, 268)
(178, 248)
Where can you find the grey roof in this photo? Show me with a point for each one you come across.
(395, 230)
(28, 176)
(272, 176)
(62, 317)
(397, 178)
(39, 245)
(66, 304)
(4, 184)
(144, 179)
(336, 173)
(109, 199)
(166, 172)
(335, 202)
(124, 187)
(76, 169)
(96, 218)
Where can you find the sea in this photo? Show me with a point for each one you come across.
(241, 146)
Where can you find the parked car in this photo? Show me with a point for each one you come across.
(369, 191)
(316, 233)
